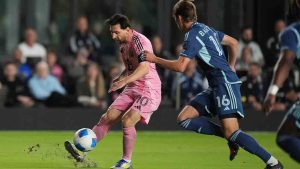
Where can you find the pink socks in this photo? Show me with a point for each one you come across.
(129, 136)
(101, 129)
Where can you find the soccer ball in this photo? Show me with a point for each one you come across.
(85, 139)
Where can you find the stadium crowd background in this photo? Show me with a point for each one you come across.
(79, 59)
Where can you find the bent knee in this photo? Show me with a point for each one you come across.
(229, 132)
(187, 113)
(181, 118)
(107, 118)
(127, 121)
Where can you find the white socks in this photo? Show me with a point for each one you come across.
(272, 161)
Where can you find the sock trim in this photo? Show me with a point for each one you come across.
(235, 135)
(185, 123)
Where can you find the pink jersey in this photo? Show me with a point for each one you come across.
(132, 54)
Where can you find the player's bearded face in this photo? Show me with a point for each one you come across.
(118, 34)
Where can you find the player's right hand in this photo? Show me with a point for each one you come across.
(269, 103)
(150, 57)
(115, 79)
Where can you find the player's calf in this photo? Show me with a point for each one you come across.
(102, 127)
(202, 125)
(249, 144)
(205, 126)
(105, 123)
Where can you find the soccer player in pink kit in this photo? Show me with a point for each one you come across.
(142, 93)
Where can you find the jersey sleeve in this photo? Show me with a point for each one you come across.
(219, 35)
(288, 40)
(191, 45)
(140, 48)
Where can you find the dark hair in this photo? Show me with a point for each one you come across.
(29, 29)
(186, 9)
(293, 14)
(9, 63)
(119, 19)
(51, 51)
(245, 28)
(255, 64)
(82, 17)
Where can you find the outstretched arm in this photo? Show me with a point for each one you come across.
(121, 76)
(281, 72)
(283, 68)
(178, 65)
(232, 50)
(139, 72)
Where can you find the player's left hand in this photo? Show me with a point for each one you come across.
(268, 104)
(150, 57)
(233, 68)
(117, 85)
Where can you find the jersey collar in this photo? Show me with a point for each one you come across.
(195, 23)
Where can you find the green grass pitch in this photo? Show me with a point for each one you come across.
(154, 150)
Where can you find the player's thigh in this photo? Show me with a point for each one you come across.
(200, 105)
(188, 112)
(124, 101)
(228, 105)
(146, 103)
(113, 115)
(227, 101)
(130, 118)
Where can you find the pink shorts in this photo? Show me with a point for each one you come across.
(143, 101)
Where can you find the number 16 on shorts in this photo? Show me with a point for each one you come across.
(223, 102)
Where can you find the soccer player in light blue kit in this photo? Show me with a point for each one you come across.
(288, 136)
(223, 97)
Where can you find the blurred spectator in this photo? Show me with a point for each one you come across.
(76, 69)
(32, 52)
(190, 83)
(287, 94)
(160, 52)
(3, 93)
(55, 69)
(114, 71)
(91, 87)
(24, 70)
(54, 35)
(242, 64)
(47, 89)
(83, 38)
(17, 92)
(272, 45)
(169, 76)
(247, 40)
(252, 89)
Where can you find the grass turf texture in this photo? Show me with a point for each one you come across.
(154, 150)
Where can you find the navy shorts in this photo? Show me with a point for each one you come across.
(223, 100)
